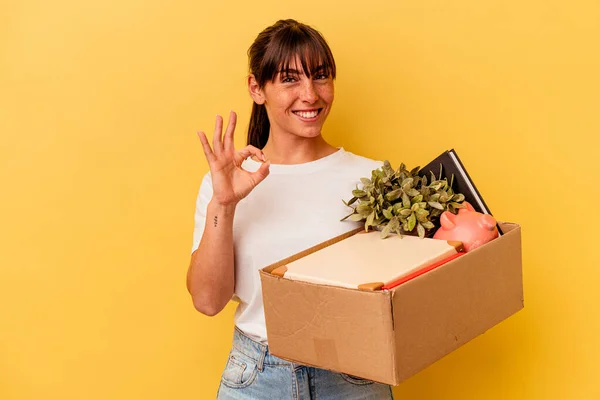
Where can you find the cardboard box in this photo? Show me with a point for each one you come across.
(388, 336)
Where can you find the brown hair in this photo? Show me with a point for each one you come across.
(272, 51)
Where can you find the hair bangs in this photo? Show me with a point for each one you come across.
(297, 44)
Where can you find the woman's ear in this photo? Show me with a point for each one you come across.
(255, 91)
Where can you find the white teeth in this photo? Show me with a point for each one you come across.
(307, 114)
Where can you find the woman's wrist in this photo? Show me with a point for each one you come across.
(220, 208)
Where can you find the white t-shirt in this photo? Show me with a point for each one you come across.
(296, 207)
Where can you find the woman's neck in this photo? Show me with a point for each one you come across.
(296, 150)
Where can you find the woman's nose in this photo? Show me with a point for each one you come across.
(309, 94)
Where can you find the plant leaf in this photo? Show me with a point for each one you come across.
(412, 220)
(386, 231)
(379, 221)
(435, 204)
(370, 219)
(405, 212)
(458, 205)
(352, 201)
(422, 215)
(408, 182)
(398, 207)
(393, 195)
(417, 199)
(421, 231)
(364, 209)
(349, 215)
(387, 168)
(428, 225)
(356, 217)
(405, 200)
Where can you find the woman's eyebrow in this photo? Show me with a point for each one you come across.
(289, 71)
(319, 68)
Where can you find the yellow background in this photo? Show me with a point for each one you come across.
(100, 166)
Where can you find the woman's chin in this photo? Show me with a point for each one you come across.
(311, 132)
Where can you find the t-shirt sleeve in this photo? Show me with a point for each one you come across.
(204, 196)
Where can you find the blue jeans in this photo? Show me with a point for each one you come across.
(254, 373)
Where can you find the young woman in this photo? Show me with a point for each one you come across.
(279, 195)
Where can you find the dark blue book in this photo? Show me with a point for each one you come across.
(450, 166)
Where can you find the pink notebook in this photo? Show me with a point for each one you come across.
(367, 262)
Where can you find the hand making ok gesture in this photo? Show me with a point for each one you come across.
(231, 183)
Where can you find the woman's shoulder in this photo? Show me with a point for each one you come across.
(361, 162)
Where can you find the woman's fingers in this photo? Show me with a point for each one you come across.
(217, 144)
(206, 147)
(248, 151)
(261, 173)
(228, 141)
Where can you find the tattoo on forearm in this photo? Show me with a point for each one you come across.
(215, 221)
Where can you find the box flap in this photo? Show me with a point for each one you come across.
(508, 226)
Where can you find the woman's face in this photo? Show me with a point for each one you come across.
(296, 104)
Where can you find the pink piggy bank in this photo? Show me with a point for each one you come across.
(470, 227)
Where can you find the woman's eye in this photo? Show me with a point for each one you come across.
(321, 76)
(287, 79)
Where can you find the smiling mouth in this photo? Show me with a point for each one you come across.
(308, 114)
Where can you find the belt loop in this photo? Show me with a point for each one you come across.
(261, 358)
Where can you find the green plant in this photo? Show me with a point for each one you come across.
(401, 201)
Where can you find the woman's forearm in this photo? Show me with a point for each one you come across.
(211, 276)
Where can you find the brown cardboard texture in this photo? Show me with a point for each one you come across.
(388, 336)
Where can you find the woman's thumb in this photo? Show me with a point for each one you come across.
(262, 172)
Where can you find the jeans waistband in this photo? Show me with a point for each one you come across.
(256, 350)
